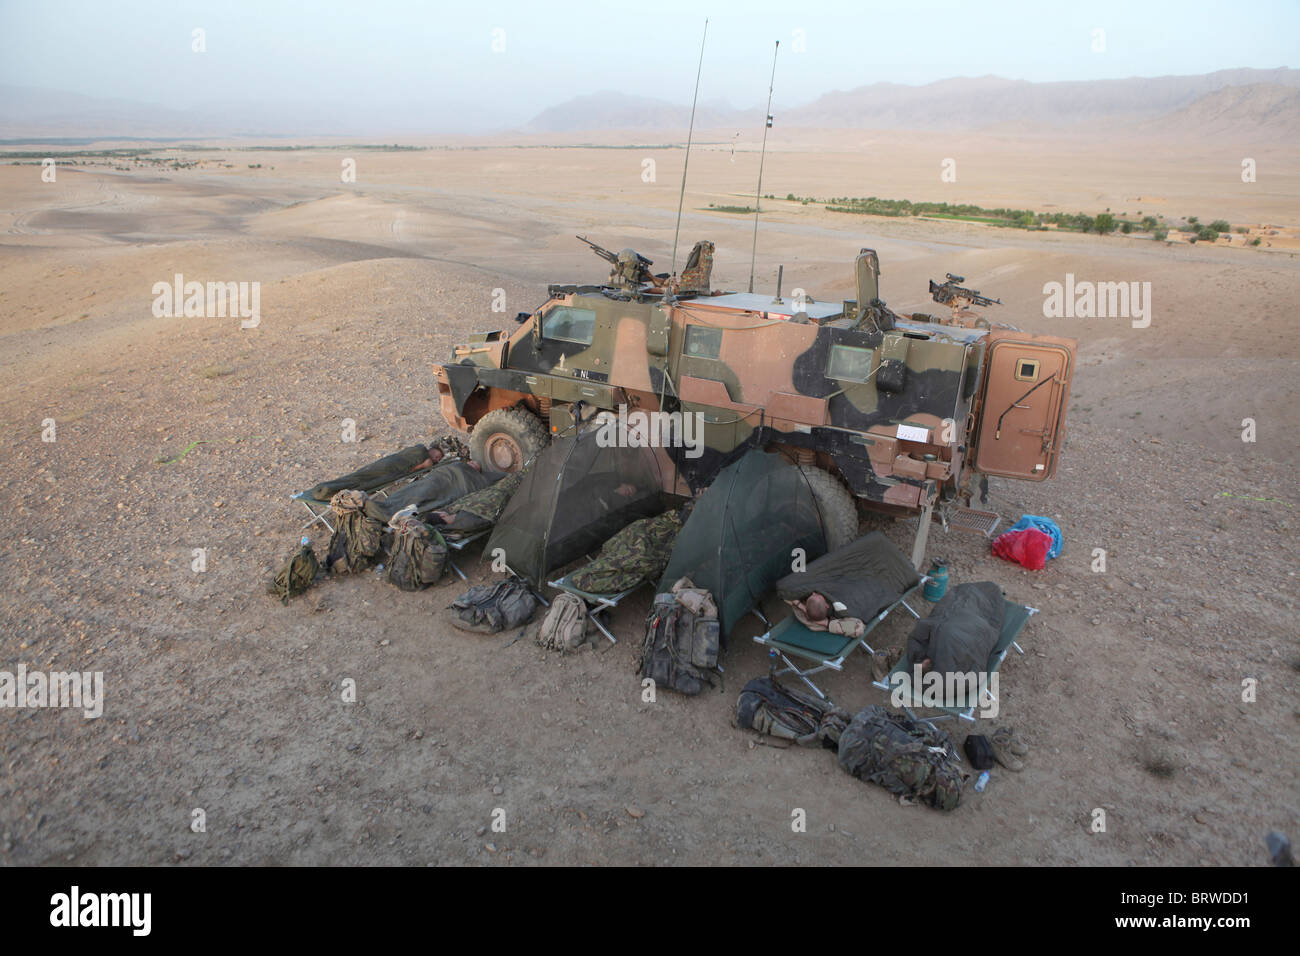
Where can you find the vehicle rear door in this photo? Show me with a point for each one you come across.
(1022, 409)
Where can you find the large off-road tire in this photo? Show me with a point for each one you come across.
(838, 509)
(505, 438)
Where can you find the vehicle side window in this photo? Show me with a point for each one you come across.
(568, 324)
(703, 342)
(849, 363)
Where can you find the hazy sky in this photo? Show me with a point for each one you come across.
(436, 59)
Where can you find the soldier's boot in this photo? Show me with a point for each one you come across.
(883, 662)
(1004, 749)
(1015, 741)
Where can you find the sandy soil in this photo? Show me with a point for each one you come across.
(217, 697)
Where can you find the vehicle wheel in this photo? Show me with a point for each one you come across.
(505, 438)
(838, 509)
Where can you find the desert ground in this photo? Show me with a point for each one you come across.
(174, 434)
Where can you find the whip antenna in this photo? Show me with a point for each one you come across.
(763, 155)
(689, 136)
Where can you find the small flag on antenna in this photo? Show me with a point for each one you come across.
(769, 120)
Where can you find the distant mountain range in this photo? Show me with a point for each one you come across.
(1227, 102)
(1238, 98)
(1237, 109)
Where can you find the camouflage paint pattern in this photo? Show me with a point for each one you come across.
(760, 378)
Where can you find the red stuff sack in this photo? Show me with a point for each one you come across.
(1028, 547)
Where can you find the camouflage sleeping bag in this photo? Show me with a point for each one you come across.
(374, 475)
(480, 509)
(639, 552)
(906, 757)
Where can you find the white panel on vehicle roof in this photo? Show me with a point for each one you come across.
(757, 302)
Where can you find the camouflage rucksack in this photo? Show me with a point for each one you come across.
(297, 575)
(418, 556)
(681, 640)
(357, 537)
(451, 447)
(767, 706)
(905, 756)
(698, 269)
(489, 608)
(565, 624)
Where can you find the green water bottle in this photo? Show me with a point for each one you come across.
(937, 585)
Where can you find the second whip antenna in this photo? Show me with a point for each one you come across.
(758, 193)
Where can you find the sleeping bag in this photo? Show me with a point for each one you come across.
(479, 510)
(639, 552)
(865, 577)
(961, 631)
(374, 475)
(443, 484)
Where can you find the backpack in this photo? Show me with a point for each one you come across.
(297, 575)
(905, 756)
(682, 640)
(979, 751)
(489, 608)
(357, 537)
(565, 624)
(451, 447)
(770, 708)
(418, 556)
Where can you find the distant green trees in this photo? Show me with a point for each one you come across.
(1102, 224)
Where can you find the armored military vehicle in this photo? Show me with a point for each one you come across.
(906, 415)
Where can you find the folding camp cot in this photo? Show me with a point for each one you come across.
(1013, 622)
(826, 650)
(459, 544)
(596, 603)
(317, 509)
